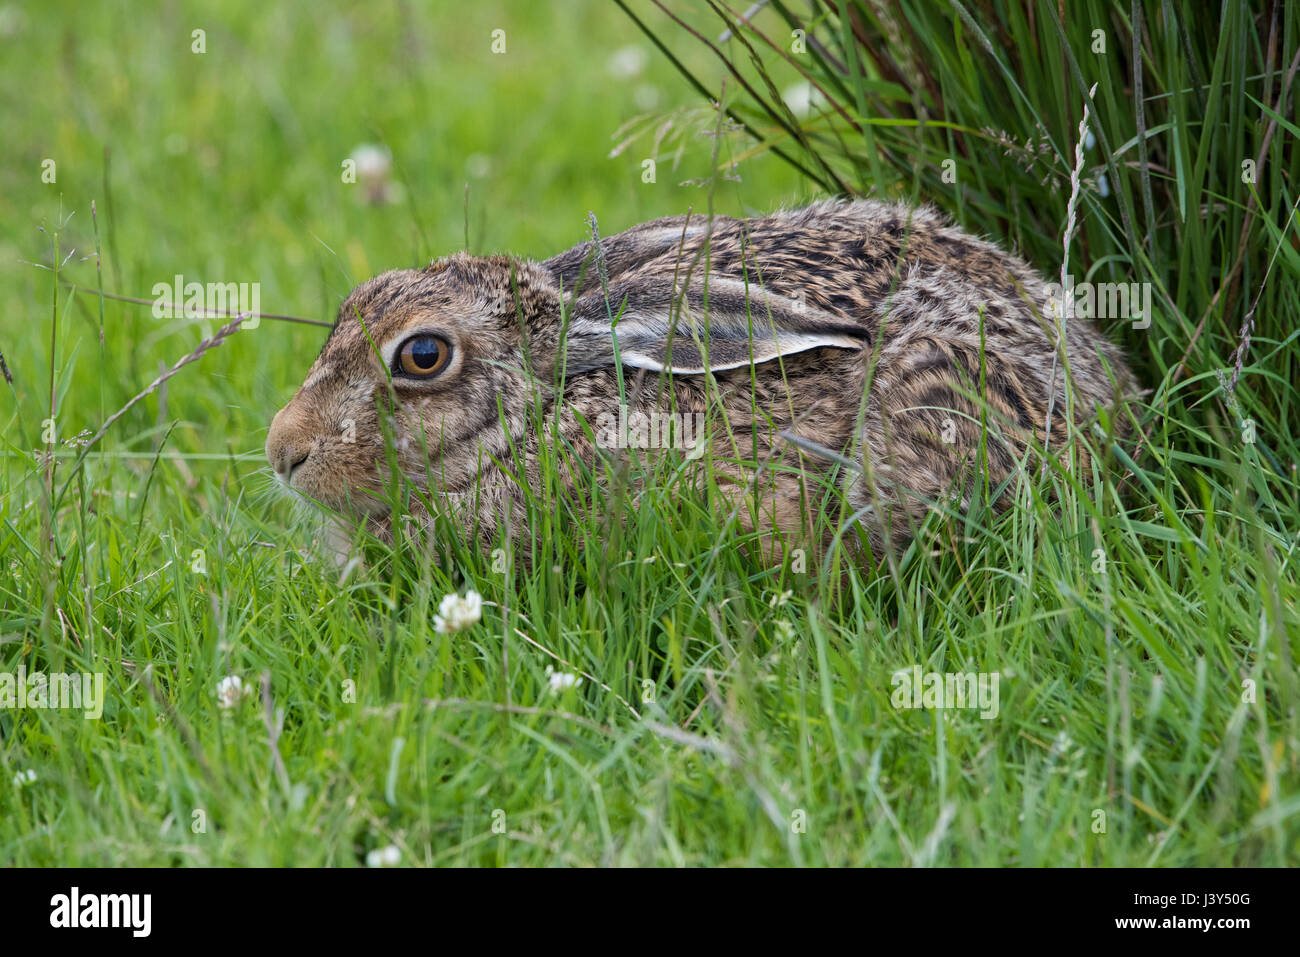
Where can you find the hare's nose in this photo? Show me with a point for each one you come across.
(286, 446)
(286, 460)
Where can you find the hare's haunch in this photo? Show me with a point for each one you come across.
(876, 331)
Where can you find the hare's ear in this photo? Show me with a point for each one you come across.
(580, 269)
(709, 326)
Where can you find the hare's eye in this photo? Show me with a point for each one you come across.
(422, 357)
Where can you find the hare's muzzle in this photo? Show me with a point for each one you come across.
(288, 445)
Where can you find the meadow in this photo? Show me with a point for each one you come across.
(1139, 608)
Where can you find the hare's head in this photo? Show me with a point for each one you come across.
(445, 360)
(435, 356)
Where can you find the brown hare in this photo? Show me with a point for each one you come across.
(873, 330)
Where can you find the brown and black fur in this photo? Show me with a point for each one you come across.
(872, 330)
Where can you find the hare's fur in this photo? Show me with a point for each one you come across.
(872, 330)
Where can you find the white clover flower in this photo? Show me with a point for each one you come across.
(1061, 744)
(456, 613)
(24, 778)
(626, 62)
(372, 160)
(373, 166)
(561, 680)
(389, 856)
(803, 99)
(231, 691)
(779, 599)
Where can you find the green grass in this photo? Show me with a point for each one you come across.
(734, 712)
